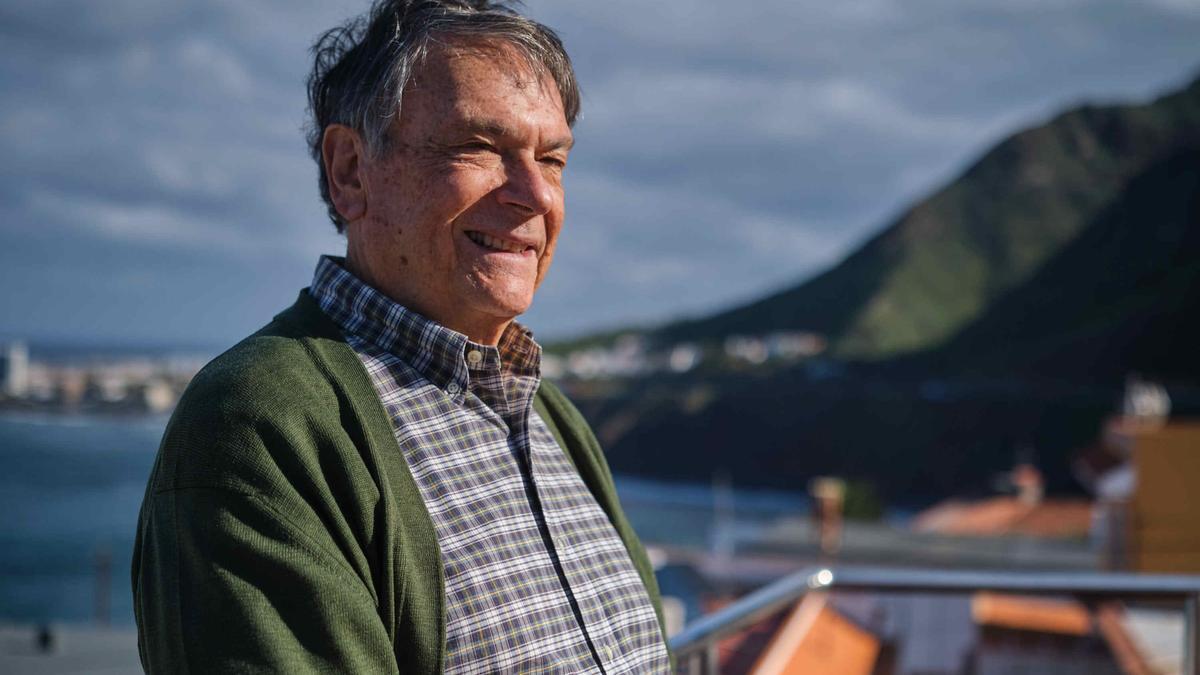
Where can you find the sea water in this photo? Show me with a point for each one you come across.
(71, 487)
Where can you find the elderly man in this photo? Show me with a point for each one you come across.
(378, 480)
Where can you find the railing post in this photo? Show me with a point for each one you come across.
(1191, 634)
(712, 664)
(703, 661)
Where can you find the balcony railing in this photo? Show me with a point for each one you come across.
(695, 647)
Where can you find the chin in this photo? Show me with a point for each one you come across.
(501, 297)
(507, 309)
(507, 305)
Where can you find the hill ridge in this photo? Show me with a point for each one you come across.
(939, 264)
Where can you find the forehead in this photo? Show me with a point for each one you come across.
(458, 74)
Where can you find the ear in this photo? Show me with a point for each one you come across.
(343, 153)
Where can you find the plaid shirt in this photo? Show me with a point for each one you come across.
(536, 577)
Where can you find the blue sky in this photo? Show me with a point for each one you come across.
(155, 186)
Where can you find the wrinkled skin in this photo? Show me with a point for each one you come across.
(477, 155)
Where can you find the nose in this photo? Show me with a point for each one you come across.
(526, 186)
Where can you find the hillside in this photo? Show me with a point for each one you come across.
(998, 317)
(939, 266)
(1123, 296)
(1041, 368)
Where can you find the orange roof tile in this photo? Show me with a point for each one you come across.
(815, 638)
(1007, 516)
(1110, 622)
(1042, 615)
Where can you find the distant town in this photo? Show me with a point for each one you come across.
(142, 383)
(136, 384)
(632, 356)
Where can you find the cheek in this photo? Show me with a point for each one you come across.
(388, 201)
(543, 267)
(554, 226)
(447, 201)
(551, 244)
(547, 256)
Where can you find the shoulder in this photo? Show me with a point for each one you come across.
(259, 376)
(274, 374)
(263, 406)
(268, 373)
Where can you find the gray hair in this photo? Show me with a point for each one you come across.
(361, 68)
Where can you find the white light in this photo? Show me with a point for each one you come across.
(822, 578)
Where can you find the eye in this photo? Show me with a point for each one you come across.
(554, 161)
(477, 146)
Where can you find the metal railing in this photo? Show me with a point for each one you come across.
(695, 647)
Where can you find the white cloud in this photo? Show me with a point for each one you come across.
(136, 223)
(725, 148)
(203, 62)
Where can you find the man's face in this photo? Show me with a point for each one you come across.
(465, 204)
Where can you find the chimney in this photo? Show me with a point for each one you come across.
(828, 496)
(1029, 484)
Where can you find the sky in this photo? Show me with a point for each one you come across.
(156, 189)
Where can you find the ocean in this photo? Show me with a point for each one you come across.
(70, 489)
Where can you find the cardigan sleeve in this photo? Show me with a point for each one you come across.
(223, 582)
(260, 545)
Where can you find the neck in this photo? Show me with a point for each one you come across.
(484, 334)
(481, 329)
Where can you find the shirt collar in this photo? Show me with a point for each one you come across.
(439, 354)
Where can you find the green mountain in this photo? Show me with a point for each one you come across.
(1122, 296)
(1039, 370)
(997, 317)
(941, 265)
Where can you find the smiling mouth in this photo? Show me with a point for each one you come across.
(497, 244)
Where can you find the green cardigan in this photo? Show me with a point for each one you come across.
(281, 530)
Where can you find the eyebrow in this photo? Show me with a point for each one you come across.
(497, 128)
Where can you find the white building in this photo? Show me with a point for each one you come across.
(14, 369)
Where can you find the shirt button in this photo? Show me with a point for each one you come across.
(452, 388)
(474, 357)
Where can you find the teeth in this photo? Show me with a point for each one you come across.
(494, 243)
